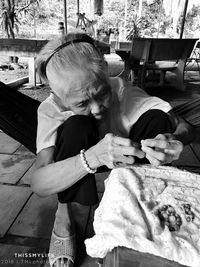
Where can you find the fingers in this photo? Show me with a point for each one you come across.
(127, 151)
(165, 153)
(162, 144)
(121, 141)
(121, 151)
(117, 140)
(158, 157)
(174, 147)
(153, 161)
(125, 160)
(119, 161)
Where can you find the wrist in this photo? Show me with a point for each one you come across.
(92, 159)
(85, 163)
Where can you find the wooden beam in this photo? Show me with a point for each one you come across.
(78, 7)
(183, 20)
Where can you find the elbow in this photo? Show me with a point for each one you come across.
(37, 187)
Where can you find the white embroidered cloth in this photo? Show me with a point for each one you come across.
(126, 215)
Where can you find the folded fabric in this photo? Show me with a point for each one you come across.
(129, 214)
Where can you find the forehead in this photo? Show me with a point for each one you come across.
(83, 83)
(76, 85)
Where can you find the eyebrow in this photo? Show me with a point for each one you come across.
(101, 88)
(80, 101)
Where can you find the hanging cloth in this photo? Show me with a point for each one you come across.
(98, 7)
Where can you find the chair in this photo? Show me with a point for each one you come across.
(193, 63)
(161, 55)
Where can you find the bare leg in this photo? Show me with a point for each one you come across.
(63, 227)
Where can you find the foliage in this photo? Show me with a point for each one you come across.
(136, 28)
(192, 23)
(156, 19)
(10, 13)
(113, 14)
(8, 17)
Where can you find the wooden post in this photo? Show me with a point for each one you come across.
(65, 15)
(31, 71)
(78, 7)
(159, 21)
(125, 17)
(183, 20)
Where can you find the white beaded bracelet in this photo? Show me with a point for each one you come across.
(85, 163)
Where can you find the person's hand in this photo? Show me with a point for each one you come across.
(162, 149)
(114, 151)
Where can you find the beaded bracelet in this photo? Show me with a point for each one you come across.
(85, 163)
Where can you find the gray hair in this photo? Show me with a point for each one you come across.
(82, 55)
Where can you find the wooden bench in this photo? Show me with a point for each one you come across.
(161, 55)
(23, 48)
(30, 48)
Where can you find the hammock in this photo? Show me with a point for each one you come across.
(18, 115)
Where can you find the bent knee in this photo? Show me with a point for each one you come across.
(79, 124)
(159, 119)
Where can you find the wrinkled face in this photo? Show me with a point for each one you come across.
(93, 101)
(85, 96)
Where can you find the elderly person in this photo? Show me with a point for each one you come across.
(89, 121)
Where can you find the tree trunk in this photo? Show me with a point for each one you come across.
(9, 5)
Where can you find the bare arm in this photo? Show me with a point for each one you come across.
(51, 177)
(167, 147)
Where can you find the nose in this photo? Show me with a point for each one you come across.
(95, 108)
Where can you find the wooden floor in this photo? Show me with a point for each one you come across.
(26, 220)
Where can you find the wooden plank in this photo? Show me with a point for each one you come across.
(7, 144)
(21, 256)
(37, 218)
(22, 150)
(13, 167)
(26, 179)
(12, 199)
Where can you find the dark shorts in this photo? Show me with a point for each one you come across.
(81, 132)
